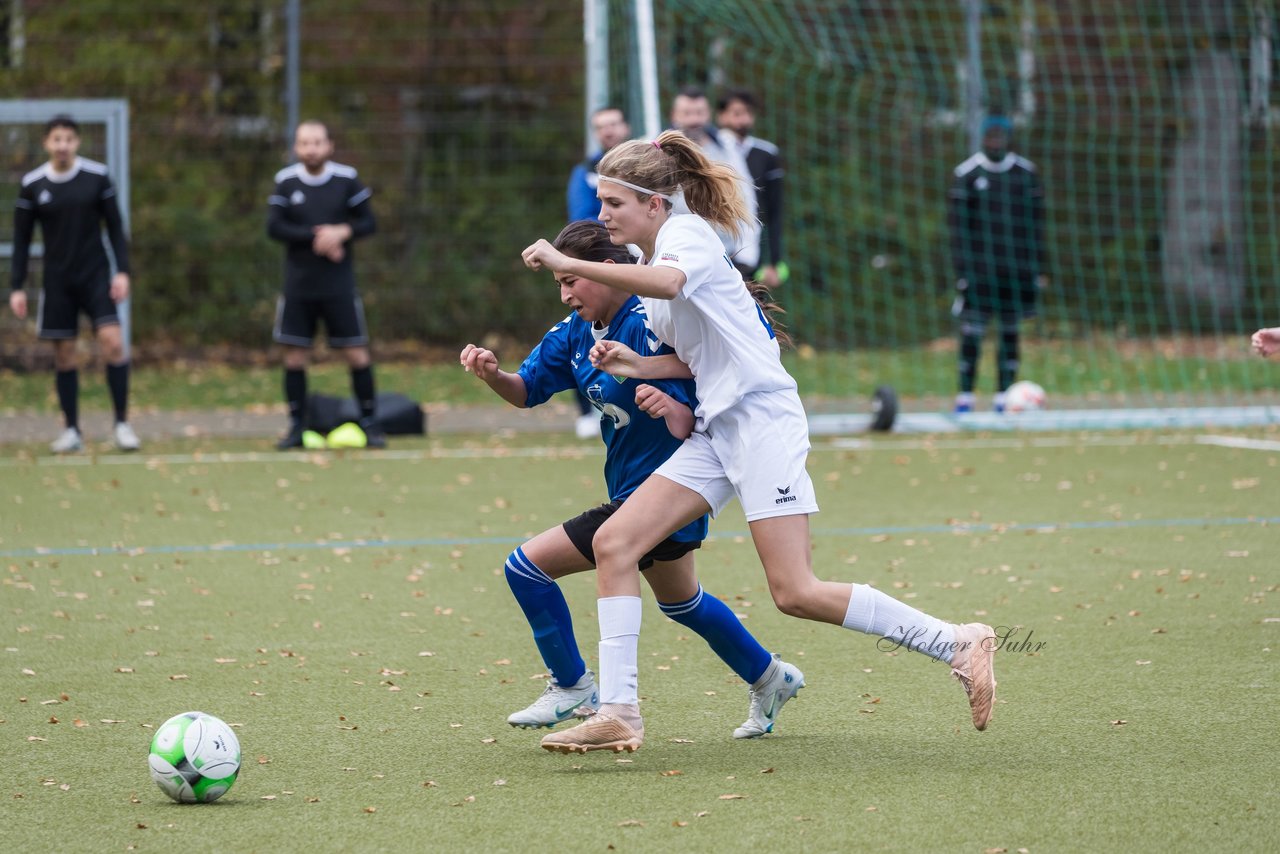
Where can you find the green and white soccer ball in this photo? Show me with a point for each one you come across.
(194, 758)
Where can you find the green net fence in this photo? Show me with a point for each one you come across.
(1150, 127)
(1150, 124)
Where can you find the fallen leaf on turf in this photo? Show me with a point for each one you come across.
(994, 850)
(681, 740)
(430, 784)
(872, 809)
(177, 676)
(262, 760)
(79, 723)
(671, 773)
(370, 809)
(141, 825)
(488, 740)
(1119, 723)
(340, 726)
(111, 721)
(766, 770)
(134, 799)
(499, 782)
(53, 719)
(733, 797)
(1141, 661)
(224, 661)
(268, 797)
(66, 787)
(631, 822)
(425, 654)
(679, 824)
(124, 670)
(312, 800)
(50, 702)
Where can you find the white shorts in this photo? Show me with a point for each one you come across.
(756, 451)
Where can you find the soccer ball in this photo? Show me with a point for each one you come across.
(194, 758)
(1023, 396)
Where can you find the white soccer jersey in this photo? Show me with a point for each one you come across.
(714, 324)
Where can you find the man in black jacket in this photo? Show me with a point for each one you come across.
(736, 115)
(319, 208)
(996, 217)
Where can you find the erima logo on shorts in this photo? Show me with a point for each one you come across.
(786, 495)
(297, 198)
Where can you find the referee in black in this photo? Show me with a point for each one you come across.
(317, 210)
(72, 197)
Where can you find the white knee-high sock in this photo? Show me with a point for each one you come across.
(876, 613)
(619, 643)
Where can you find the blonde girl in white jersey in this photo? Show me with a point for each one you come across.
(750, 441)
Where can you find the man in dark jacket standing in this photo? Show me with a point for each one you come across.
(996, 217)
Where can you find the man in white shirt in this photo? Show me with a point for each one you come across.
(691, 114)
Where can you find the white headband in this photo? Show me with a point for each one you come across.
(635, 187)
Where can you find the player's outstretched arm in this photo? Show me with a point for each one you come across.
(659, 404)
(619, 360)
(1266, 341)
(484, 364)
(638, 279)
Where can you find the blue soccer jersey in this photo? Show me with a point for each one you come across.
(635, 443)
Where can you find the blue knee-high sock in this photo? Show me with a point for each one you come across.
(548, 615)
(723, 632)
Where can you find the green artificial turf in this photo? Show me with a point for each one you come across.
(369, 681)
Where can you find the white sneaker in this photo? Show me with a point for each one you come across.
(558, 703)
(779, 683)
(587, 426)
(126, 439)
(67, 443)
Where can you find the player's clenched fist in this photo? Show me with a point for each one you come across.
(614, 358)
(542, 254)
(653, 401)
(479, 361)
(1266, 341)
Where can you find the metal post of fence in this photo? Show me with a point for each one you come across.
(973, 90)
(595, 35)
(292, 15)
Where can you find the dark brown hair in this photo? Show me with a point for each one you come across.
(588, 240)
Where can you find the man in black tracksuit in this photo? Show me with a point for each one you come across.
(319, 208)
(73, 198)
(996, 217)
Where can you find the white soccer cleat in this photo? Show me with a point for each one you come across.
(779, 683)
(126, 439)
(68, 442)
(558, 703)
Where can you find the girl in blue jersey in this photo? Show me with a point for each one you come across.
(642, 424)
(750, 440)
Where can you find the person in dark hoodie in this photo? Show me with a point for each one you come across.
(996, 219)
